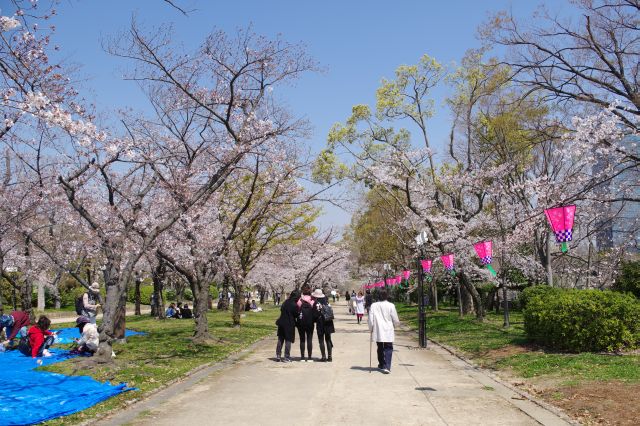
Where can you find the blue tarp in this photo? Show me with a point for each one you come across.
(28, 396)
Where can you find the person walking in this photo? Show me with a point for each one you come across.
(368, 300)
(347, 297)
(359, 306)
(306, 322)
(324, 324)
(382, 320)
(287, 327)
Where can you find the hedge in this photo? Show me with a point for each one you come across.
(581, 320)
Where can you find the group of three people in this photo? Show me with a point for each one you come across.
(179, 311)
(305, 312)
(35, 341)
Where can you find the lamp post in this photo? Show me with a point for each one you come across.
(421, 240)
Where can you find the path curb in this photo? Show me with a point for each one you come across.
(134, 407)
(543, 404)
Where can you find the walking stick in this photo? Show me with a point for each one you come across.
(370, 345)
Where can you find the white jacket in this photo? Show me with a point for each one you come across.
(90, 337)
(382, 318)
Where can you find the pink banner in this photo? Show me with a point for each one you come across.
(426, 265)
(484, 249)
(406, 275)
(447, 259)
(561, 220)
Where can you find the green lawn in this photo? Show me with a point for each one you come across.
(166, 353)
(492, 346)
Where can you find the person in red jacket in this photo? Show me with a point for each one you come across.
(12, 325)
(40, 338)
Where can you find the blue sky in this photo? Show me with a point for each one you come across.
(357, 42)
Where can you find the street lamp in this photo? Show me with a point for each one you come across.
(386, 267)
(421, 240)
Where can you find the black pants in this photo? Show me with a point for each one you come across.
(306, 334)
(322, 338)
(385, 351)
(26, 349)
(287, 347)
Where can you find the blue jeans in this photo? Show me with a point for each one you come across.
(385, 352)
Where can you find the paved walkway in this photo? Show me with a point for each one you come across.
(71, 317)
(425, 387)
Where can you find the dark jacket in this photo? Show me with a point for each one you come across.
(368, 300)
(287, 321)
(322, 326)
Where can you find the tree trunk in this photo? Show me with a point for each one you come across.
(27, 285)
(57, 300)
(223, 304)
(477, 300)
(237, 304)
(200, 307)
(467, 303)
(114, 314)
(41, 302)
(136, 296)
(157, 305)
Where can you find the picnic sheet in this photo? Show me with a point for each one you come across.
(28, 396)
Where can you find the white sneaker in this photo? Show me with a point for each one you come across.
(46, 353)
(385, 371)
(309, 360)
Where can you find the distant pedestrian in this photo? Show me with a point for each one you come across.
(359, 306)
(382, 319)
(324, 324)
(368, 300)
(347, 297)
(333, 295)
(306, 322)
(287, 327)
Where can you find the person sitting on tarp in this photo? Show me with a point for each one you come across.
(89, 339)
(14, 325)
(186, 312)
(38, 339)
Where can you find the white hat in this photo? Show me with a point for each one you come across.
(317, 293)
(95, 286)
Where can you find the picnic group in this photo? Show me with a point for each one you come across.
(34, 340)
(305, 311)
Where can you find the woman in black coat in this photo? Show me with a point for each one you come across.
(324, 327)
(287, 326)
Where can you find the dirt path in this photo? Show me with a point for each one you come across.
(424, 387)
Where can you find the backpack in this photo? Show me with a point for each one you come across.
(306, 314)
(327, 312)
(80, 304)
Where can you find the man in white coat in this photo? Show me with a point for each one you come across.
(382, 319)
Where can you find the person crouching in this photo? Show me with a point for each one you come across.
(39, 339)
(89, 337)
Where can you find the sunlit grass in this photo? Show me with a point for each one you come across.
(166, 353)
(493, 346)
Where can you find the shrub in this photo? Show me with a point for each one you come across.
(629, 278)
(581, 320)
(535, 291)
(146, 291)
